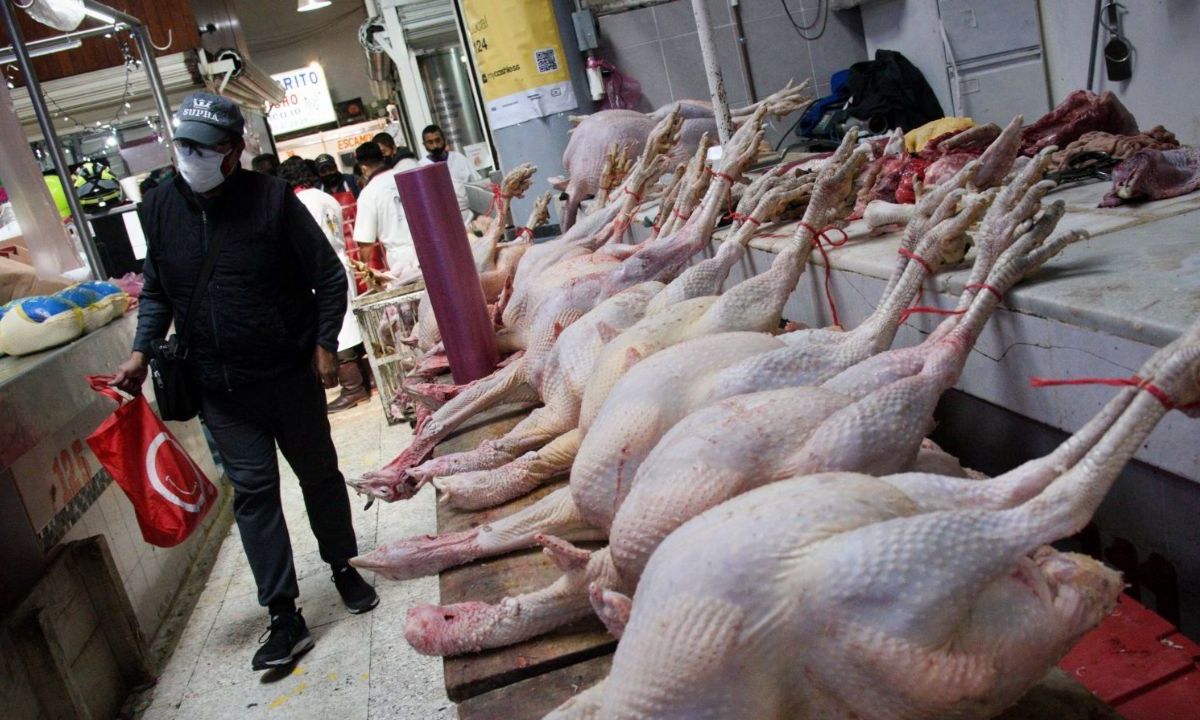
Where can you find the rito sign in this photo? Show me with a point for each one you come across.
(306, 102)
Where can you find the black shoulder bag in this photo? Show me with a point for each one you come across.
(177, 396)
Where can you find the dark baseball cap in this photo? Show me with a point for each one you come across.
(325, 159)
(209, 119)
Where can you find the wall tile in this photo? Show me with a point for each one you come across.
(762, 9)
(677, 18)
(840, 46)
(627, 29)
(685, 67)
(644, 63)
(777, 54)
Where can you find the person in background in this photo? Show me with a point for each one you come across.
(359, 178)
(333, 180)
(301, 175)
(461, 172)
(387, 146)
(380, 221)
(267, 164)
(265, 342)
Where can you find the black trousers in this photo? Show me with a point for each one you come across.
(246, 424)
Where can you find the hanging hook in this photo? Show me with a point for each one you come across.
(170, 40)
(1109, 17)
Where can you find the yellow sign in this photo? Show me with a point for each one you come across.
(519, 56)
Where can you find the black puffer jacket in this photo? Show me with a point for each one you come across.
(277, 288)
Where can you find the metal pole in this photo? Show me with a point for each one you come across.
(716, 84)
(146, 50)
(736, 8)
(52, 143)
(156, 84)
(76, 35)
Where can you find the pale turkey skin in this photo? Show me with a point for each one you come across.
(905, 597)
(712, 622)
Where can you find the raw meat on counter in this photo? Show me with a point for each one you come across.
(914, 596)
(699, 460)
(1117, 146)
(565, 292)
(1151, 174)
(1080, 112)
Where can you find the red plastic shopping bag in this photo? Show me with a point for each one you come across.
(169, 492)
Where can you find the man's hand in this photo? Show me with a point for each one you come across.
(130, 374)
(326, 365)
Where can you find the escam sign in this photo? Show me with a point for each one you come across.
(306, 101)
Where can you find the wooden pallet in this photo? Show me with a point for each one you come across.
(528, 680)
(492, 579)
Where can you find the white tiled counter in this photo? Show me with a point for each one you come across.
(53, 490)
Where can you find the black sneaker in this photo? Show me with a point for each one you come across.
(286, 640)
(357, 594)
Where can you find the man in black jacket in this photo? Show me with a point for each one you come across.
(263, 342)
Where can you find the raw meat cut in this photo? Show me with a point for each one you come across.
(1151, 174)
(913, 597)
(1118, 146)
(1082, 111)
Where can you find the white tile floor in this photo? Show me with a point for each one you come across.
(361, 666)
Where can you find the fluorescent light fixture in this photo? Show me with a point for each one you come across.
(39, 48)
(99, 15)
(306, 5)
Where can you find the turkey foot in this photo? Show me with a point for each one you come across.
(483, 489)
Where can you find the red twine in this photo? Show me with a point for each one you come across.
(497, 199)
(524, 231)
(818, 236)
(636, 196)
(916, 258)
(984, 286)
(1133, 381)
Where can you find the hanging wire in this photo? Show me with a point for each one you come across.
(822, 18)
(170, 40)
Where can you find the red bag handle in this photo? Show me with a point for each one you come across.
(100, 384)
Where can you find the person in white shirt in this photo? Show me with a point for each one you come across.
(461, 172)
(380, 221)
(354, 372)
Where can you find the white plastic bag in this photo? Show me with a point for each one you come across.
(58, 14)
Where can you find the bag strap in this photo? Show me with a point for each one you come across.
(184, 333)
(100, 384)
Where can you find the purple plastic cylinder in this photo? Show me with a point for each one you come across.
(451, 282)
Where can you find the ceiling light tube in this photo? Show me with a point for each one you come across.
(306, 5)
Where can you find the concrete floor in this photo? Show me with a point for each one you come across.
(361, 666)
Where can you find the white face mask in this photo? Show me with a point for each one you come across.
(201, 168)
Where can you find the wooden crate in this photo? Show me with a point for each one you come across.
(383, 318)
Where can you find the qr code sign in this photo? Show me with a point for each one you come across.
(547, 60)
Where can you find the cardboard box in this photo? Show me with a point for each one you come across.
(18, 280)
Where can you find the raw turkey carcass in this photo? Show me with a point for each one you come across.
(566, 292)
(662, 389)
(907, 597)
(870, 418)
(485, 476)
(755, 304)
(1082, 111)
(1155, 175)
(583, 158)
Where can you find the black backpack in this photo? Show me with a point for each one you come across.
(890, 92)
